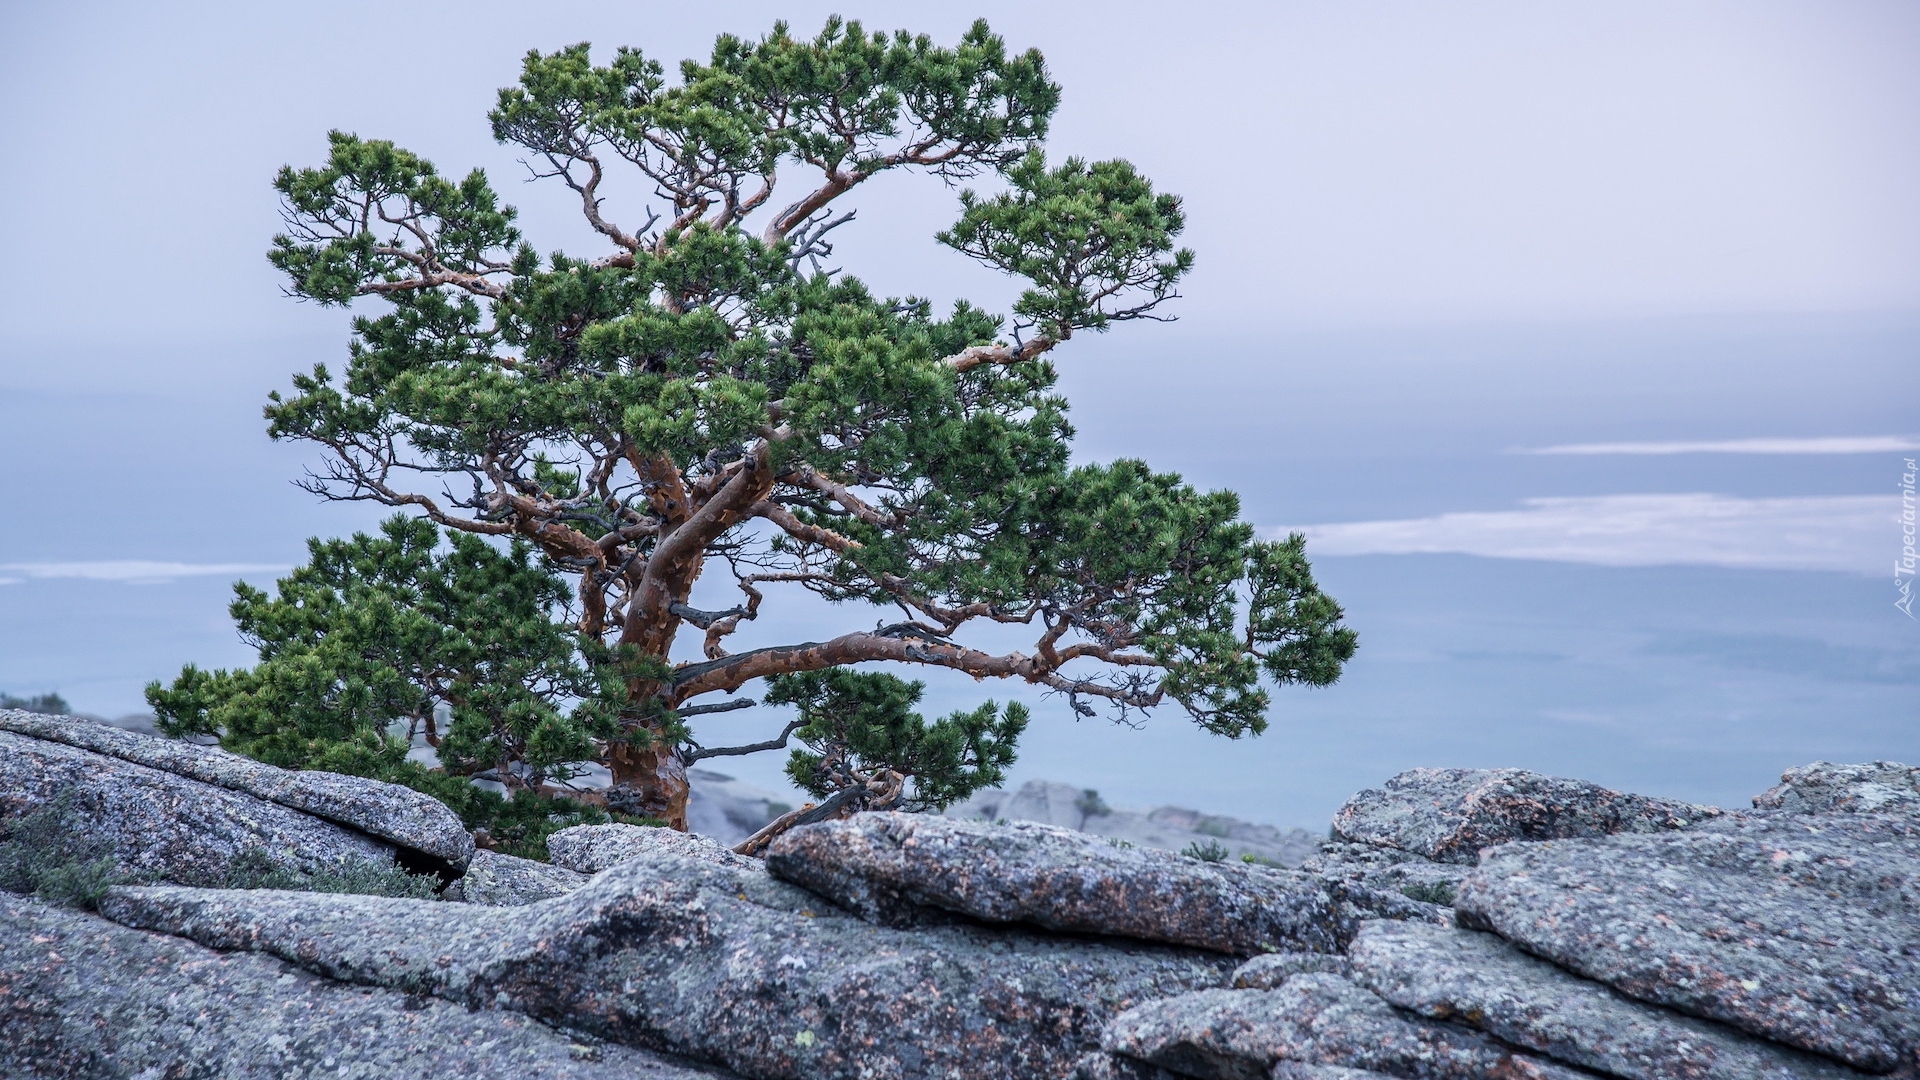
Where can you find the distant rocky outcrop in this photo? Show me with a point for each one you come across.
(1880, 787)
(1462, 925)
(1170, 828)
(726, 809)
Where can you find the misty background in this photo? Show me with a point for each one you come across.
(1581, 340)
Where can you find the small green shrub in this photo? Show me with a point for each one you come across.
(1260, 860)
(1211, 851)
(49, 853)
(1119, 843)
(79, 884)
(255, 868)
(1429, 892)
(1091, 805)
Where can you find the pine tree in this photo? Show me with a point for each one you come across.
(593, 434)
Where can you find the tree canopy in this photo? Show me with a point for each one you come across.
(593, 434)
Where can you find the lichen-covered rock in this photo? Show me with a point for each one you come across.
(1101, 1065)
(1351, 861)
(1879, 787)
(888, 866)
(1389, 871)
(1311, 1020)
(1448, 815)
(1483, 981)
(724, 964)
(496, 880)
(590, 849)
(1804, 929)
(84, 999)
(1268, 971)
(161, 827)
(400, 815)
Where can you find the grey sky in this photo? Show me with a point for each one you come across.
(1352, 162)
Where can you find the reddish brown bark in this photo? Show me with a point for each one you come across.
(657, 777)
(656, 774)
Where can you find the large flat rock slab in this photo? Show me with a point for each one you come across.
(1877, 787)
(1448, 815)
(1480, 980)
(160, 826)
(84, 999)
(1312, 1021)
(724, 964)
(1801, 928)
(399, 815)
(890, 866)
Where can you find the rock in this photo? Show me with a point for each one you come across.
(1104, 1066)
(1487, 983)
(161, 827)
(721, 963)
(1881, 787)
(1170, 828)
(728, 810)
(84, 999)
(1267, 972)
(1804, 929)
(1350, 861)
(1448, 815)
(590, 849)
(886, 866)
(399, 815)
(1310, 1020)
(497, 880)
(1388, 870)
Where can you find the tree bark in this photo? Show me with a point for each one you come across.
(658, 780)
(656, 776)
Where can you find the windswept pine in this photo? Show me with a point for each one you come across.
(707, 395)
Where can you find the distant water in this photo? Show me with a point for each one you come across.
(1699, 682)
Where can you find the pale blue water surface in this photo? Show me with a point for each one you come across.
(1700, 682)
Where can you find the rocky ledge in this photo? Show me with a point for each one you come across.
(1590, 933)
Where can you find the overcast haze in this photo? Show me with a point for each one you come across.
(1580, 338)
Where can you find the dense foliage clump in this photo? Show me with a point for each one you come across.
(255, 868)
